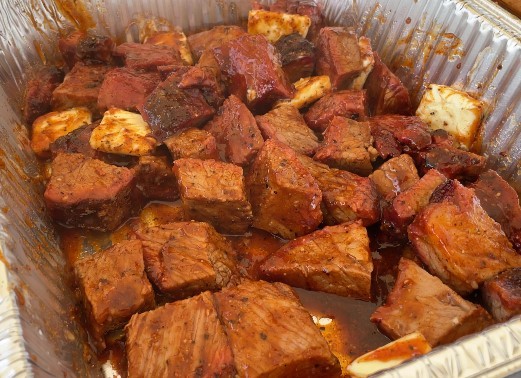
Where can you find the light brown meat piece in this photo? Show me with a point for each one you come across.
(180, 339)
(421, 302)
(271, 334)
(193, 143)
(286, 125)
(214, 192)
(345, 146)
(502, 294)
(394, 176)
(284, 196)
(155, 179)
(460, 243)
(335, 260)
(215, 37)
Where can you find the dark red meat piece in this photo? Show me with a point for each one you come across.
(215, 37)
(38, 94)
(297, 56)
(155, 179)
(502, 294)
(148, 57)
(86, 47)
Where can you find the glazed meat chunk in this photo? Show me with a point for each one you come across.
(346, 146)
(215, 37)
(147, 57)
(286, 125)
(252, 71)
(38, 94)
(235, 128)
(297, 56)
(421, 302)
(502, 294)
(501, 203)
(186, 258)
(77, 141)
(155, 179)
(193, 143)
(349, 104)
(191, 344)
(86, 47)
(208, 81)
(338, 56)
(271, 334)
(87, 193)
(459, 242)
(114, 286)
(214, 192)
(335, 260)
(284, 196)
(394, 176)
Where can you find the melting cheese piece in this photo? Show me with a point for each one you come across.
(274, 25)
(308, 90)
(389, 355)
(53, 125)
(452, 110)
(366, 53)
(124, 133)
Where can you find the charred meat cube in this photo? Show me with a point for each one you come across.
(338, 56)
(80, 88)
(502, 294)
(336, 260)
(284, 195)
(385, 92)
(193, 143)
(215, 37)
(86, 47)
(421, 303)
(77, 141)
(207, 81)
(38, 93)
(155, 179)
(349, 103)
(288, 345)
(501, 203)
(126, 89)
(345, 195)
(88, 193)
(250, 66)
(114, 286)
(186, 258)
(147, 57)
(346, 146)
(174, 39)
(286, 125)
(459, 242)
(394, 176)
(297, 56)
(404, 207)
(214, 192)
(235, 127)
(170, 109)
(192, 342)
(395, 133)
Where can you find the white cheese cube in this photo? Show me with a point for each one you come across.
(308, 90)
(389, 355)
(366, 53)
(274, 25)
(51, 126)
(124, 133)
(447, 108)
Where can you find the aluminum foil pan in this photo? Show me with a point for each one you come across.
(472, 44)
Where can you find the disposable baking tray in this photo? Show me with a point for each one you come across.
(472, 44)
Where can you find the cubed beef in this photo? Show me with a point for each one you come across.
(235, 128)
(441, 137)
(114, 286)
(395, 133)
(284, 195)
(421, 303)
(345, 195)
(38, 93)
(147, 57)
(286, 125)
(214, 192)
(346, 146)
(174, 39)
(338, 56)
(335, 260)
(192, 342)
(404, 207)
(76, 141)
(250, 66)
(501, 203)
(127, 89)
(349, 103)
(193, 143)
(67, 45)
(212, 38)
(155, 179)
(88, 193)
(297, 56)
(395, 176)
(271, 334)
(86, 47)
(207, 81)
(459, 242)
(183, 259)
(385, 91)
(170, 109)
(502, 294)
